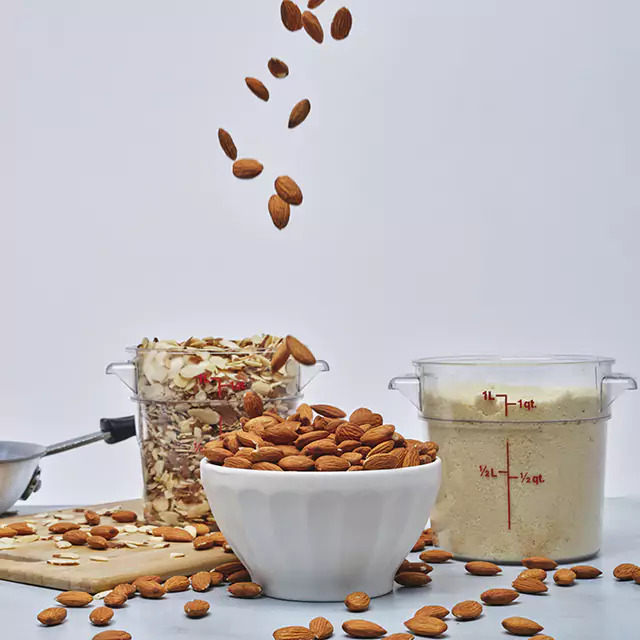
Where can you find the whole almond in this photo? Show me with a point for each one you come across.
(307, 438)
(53, 616)
(202, 543)
(293, 633)
(313, 27)
(227, 144)
(363, 629)
(217, 578)
(74, 598)
(328, 411)
(101, 616)
(124, 516)
(112, 634)
(227, 568)
(298, 351)
(283, 433)
(426, 626)
(291, 15)
(376, 435)
(436, 556)
(586, 572)
(125, 588)
(278, 68)
(357, 601)
(26, 528)
(432, 611)
(296, 463)
(482, 568)
(116, 599)
(412, 579)
(239, 576)
(521, 626)
(348, 431)
(384, 447)
(360, 416)
(280, 211)
(355, 467)
(215, 454)
(399, 636)
(257, 88)
(341, 24)
(91, 518)
(173, 534)
(400, 453)
(332, 463)
(564, 577)
(75, 537)
(299, 113)
(314, 4)
(8, 532)
(247, 168)
(538, 574)
(499, 596)
(151, 590)
(105, 531)
(280, 357)
(352, 457)
(157, 579)
(380, 462)
(321, 628)
(467, 610)
(58, 527)
(625, 571)
(253, 405)
(540, 562)
(266, 466)
(419, 545)
(529, 585)
(420, 567)
(196, 608)
(178, 583)
(245, 590)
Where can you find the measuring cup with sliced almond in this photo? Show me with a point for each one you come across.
(523, 443)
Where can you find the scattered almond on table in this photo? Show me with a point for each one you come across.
(521, 626)
(52, 617)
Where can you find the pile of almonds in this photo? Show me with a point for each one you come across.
(288, 193)
(316, 438)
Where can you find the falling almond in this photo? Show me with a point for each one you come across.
(314, 4)
(280, 211)
(247, 168)
(312, 26)
(299, 113)
(288, 190)
(291, 15)
(257, 88)
(342, 23)
(227, 144)
(278, 68)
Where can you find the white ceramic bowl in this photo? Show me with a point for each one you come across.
(318, 536)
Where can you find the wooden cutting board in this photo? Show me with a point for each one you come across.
(27, 561)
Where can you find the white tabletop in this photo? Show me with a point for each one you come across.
(590, 610)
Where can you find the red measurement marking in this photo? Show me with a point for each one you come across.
(523, 404)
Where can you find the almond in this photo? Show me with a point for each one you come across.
(105, 531)
(625, 571)
(291, 15)
(399, 636)
(227, 568)
(586, 572)
(8, 532)
(314, 4)
(426, 626)
(499, 596)
(357, 601)
(412, 579)
(257, 88)
(75, 537)
(58, 527)
(420, 567)
(112, 634)
(436, 556)
(237, 462)
(26, 528)
(253, 406)
(217, 578)
(52, 616)
(173, 534)
(196, 608)
(313, 27)
(74, 598)
(341, 24)
(279, 210)
(529, 585)
(124, 516)
(399, 453)
(283, 433)
(376, 435)
(564, 577)
(227, 144)
(539, 574)
(299, 113)
(539, 562)
(247, 168)
(332, 463)
(266, 466)
(239, 576)
(432, 611)
(363, 629)
(293, 633)
(157, 579)
(352, 457)
(328, 411)
(117, 598)
(278, 68)
(360, 416)
(289, 191)
(380, 462)
(296, 463)
(178, 583)
(307, 438)
(280, 356)
(91, 518)
(151, 590)
(355, 467)
(482, 568)
(125, 588)
(321, 628)
(245, 590)
(215, 454)
(202, 543)
(467, 610)
(348, 431)
(384, 447)
(95, 542)
(101, 616)
(522, 626)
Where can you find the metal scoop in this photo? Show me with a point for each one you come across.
(19, 461)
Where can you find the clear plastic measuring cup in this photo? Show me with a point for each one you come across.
(522, 442)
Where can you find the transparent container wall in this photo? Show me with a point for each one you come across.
(523, 446)
(171, 437)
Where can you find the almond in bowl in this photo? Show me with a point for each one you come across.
(351, 498)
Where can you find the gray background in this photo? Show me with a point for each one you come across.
(470, 175)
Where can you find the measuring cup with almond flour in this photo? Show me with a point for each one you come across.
(522, 443)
